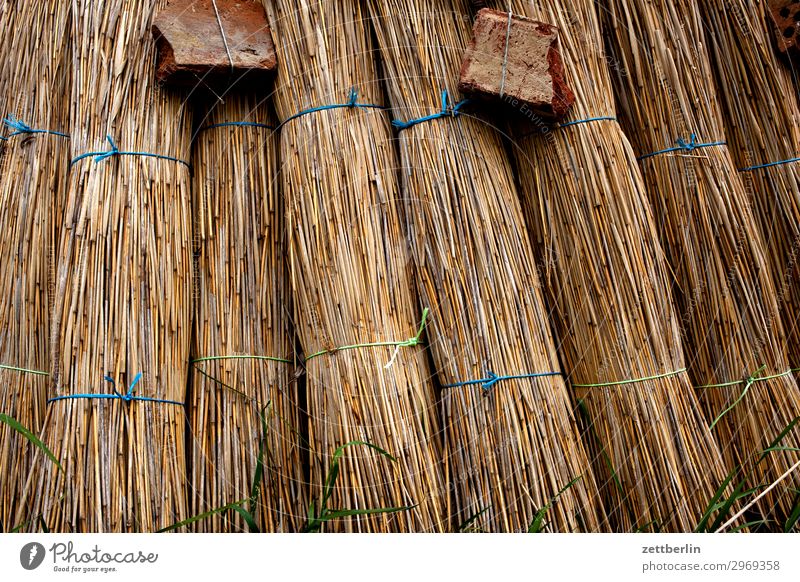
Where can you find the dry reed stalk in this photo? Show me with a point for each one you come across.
(32, 186)
(351, 275)
(241, 310)
(510, 449)
(123, 289)
(728, 305)
(605, 275)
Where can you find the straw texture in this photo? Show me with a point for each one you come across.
(728, 305)
(605, 276)
(32, 187)
(242, 310)
(512, 448)
(350, 274)
(123, 289)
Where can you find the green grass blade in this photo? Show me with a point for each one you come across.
(472, 519)
(339, 513)
(32, 438)
(247, 517)
(204, 515)
(537, 525)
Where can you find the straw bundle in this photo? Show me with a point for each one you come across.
(123, 289)
(350, 274)
(730, 316)
(32, 186)
(762, 127)
(605, 276)
(513, 446)
(241, 317)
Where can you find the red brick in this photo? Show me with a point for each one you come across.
(191, 48)
(786, 25)
(534, 69)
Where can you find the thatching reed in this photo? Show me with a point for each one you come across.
(511, 446)
(727, 301)
(605, 276)
(757, 98)
(350, 273)
(35, 77)
(123, 289)
(242, 333)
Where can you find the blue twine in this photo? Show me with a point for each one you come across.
(115, 151)
(769, 165)
(238, 124)
(587, 120)
(491, 379)
(681, 145)
(352, 103)
(446, 111)
(117, 396)
(20, 128)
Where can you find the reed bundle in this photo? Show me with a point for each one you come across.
(36, 59)
(513, 445)
(605, 276)
(242, 325)
(727, 301)
(350, 274)
(756, 95)
(123, 289)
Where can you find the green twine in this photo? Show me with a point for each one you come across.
(634, 381)
(409, 343)
(240, 357)
(748, 382)
(23, 370)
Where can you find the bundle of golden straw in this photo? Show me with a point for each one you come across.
(351, 276)
(605, 275)
(243, 377)
(123, 289)
(730, 318)
(32, 186)
(512, 443)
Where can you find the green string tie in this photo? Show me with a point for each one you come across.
(634, 381)
(23, 370)
(409, 343)
(748, 382)
(240, 357)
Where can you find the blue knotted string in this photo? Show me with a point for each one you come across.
(115, 151)
(769, 165)
(239, 124)
(20, 128)
(682, 145)
(587, 120)
(128, 397)
(352, 103)
(491, 379)
(447, 111)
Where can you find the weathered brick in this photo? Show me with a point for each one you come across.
(191, 50)
(534, 69)
(786, 25)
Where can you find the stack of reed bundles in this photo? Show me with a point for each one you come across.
(726, 298)
(242, 370)
(123, 289)
(32, 185)
(513, 445)
(351, 275)
(605, 275)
